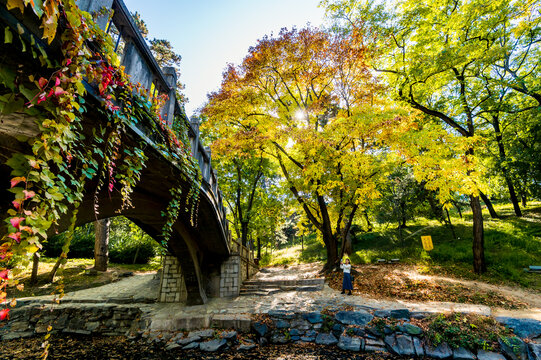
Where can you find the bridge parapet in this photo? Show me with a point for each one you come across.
(143, 68)
(207, 241)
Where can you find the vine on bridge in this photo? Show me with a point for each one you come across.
(50, 181)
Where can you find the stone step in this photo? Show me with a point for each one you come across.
(297, 282)
(270, 291)
(284, 287)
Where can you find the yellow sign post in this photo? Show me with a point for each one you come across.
(427, 242)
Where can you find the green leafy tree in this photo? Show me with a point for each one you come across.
(445, 60)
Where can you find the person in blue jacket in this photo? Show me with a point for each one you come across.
(346, 283)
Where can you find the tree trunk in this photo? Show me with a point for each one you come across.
(403, 215)
(479, 265)
(302, 244)
(513, 196)
(346, 247)
(488, 203)
(503, 157)
(450, 224)
(101, 244)
(457, 207)
(332, 251)
(523, 198)
(56, 266)
(400, 233)
(35, 265)
(258, 247)
(368, 224)
(244, 232)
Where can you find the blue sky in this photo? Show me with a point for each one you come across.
(211, 33)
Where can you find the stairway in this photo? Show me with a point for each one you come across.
(261, 287)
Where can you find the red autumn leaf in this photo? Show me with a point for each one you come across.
(4, 274)
(42, 97)
(58, 91)
(17, 180)
(4, 313)
(42, 82)
(15, 236)
(16, 204)
(68, 62)
(28, 194)
(28, 229)
(57, 82)
(16, 221)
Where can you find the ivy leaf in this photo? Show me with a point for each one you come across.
(17, 180)
(37, 6)
(13, 106)
(8, 36)
(12, 4)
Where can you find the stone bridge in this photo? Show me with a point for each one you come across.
(202, 259)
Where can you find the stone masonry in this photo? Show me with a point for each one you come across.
(172, 286)
(230, 277)
(233, 271)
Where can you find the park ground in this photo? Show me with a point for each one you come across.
(420, 277)
(444, 274)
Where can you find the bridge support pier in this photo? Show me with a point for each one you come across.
(224, 281)
(230, 276)
(172, 285)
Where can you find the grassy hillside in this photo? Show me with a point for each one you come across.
(511, 244)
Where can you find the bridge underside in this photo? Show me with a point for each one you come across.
(205, 243)
(200, 249)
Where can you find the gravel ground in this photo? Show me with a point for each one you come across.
(105, 348)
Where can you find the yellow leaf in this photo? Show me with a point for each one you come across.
(12, 4)
(49, 28)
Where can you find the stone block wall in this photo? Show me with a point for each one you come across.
(230, 276)
(74, 318)
(172, 286)
(232, 273)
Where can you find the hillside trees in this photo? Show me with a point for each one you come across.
(309, 101)
(466, 65)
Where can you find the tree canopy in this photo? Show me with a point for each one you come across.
(308, 99)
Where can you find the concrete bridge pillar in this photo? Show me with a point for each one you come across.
(223, 279)
(168, 111)
(95, 6)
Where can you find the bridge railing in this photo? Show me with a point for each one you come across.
(248, 266)
(138, 61)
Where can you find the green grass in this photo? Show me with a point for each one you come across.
(511, 244)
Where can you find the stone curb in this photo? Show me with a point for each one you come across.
(348, 330)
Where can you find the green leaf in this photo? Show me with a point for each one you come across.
(28, 94)
(8, 36)
(13, 106)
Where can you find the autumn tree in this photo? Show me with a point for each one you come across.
(449, 60)
(308, 99)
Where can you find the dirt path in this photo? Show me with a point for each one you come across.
(532, 298)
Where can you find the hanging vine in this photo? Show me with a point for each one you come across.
(50, 181)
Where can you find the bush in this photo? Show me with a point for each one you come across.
(82, 243)
(127, 243)
(131, 252)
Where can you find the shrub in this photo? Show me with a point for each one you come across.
(470, 331)
(127, 243)
(131, 252)
(82, 243)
